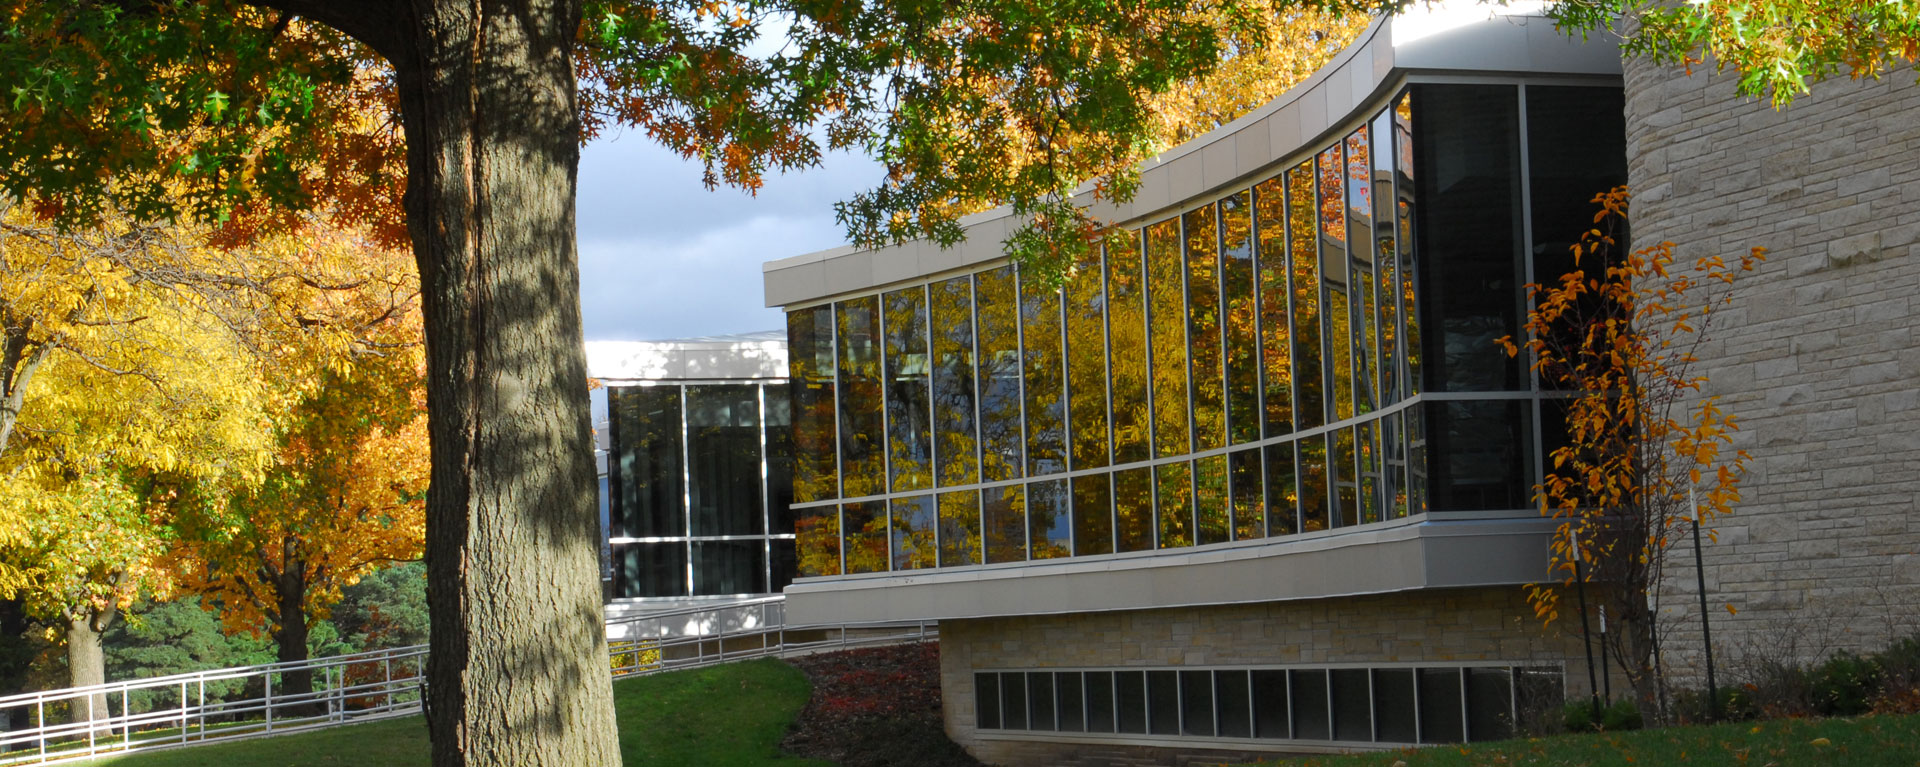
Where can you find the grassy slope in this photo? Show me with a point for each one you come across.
(714, 717)
(1876, 741)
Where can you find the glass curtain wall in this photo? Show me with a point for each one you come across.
(701, 487)
(1310, 352)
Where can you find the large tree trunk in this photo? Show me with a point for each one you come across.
(518, 672)
(87, 660)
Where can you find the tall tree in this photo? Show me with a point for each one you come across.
(113, 373)
(346, 494)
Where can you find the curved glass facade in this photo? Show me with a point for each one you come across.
(1311, 350)
(698, 479)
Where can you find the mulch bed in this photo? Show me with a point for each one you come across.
(875, 707)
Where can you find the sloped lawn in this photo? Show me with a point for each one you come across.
(720, 716)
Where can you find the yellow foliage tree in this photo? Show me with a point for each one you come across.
(137, 360)
(347, 486)
(1619, 333)
(114, 368)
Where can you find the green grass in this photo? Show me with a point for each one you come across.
(1874, 741)
(734, 714)
(719, 716)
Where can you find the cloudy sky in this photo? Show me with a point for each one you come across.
(661, 257)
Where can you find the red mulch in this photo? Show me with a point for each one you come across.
(876, 707)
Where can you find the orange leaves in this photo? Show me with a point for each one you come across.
(1620, 334)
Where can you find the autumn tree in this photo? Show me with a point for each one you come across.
(346, 490)
(116, 372)
(1619, 333)
(1778, 48)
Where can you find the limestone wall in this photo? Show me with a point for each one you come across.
(1819, 356)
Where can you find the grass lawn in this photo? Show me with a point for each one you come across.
(1874, 741)
(734, 714)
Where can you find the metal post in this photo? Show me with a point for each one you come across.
(1586, 639)
(1606, 672)
(267, 679)
(1706, 628)
(183, 712)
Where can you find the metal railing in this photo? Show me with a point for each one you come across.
(252, 701)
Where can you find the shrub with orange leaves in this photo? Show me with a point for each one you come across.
(1620, 334)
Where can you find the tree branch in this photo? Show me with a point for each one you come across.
(383, 25)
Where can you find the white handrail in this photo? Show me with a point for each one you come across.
(388, 683)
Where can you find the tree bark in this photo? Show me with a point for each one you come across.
(290, 635)
(518, 672)
(87, 660)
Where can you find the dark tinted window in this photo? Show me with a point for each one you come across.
(723, 459)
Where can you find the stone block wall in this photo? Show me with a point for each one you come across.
(1490, 624)
(1819, 355)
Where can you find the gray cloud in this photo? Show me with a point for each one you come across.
(662, 257)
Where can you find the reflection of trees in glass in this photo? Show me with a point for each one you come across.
(1283, 491)
(1393, 474)
(1203, 328)
(960, 528)
(866, 536)
(862, 426)
(1046, 440)
(1086, 352)
(817, 536)
(1304, 259)
(1335, 286)
(723, 459)
(1342, 477)
(1005, 512)
(1241, 322)
(1339, 352)
(1133, 509)
(1312, 475)
(810, 378)
(1092, 514)
(1366, 322)
(1127, 330)
(909, 433)
(1368, 449)
(1386, 258)
(1210, 500)
(955, 445)
(1276, 318)
(1416, 423)
(1049, 524)
(1410, 305)
(1173, 496)
(997, 311)
(1167, 334)
(913, 520)
(1249, 502)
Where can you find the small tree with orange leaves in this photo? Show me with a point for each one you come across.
(1619, 333)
